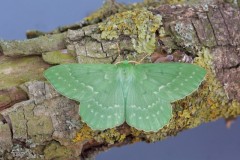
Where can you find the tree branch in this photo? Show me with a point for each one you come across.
(36, 122)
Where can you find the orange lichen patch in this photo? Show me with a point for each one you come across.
(210, 102)
(84, 134)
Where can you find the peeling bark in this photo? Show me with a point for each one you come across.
(37, 122)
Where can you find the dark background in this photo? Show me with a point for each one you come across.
(210, 141)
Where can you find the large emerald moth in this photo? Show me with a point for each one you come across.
(138, 94)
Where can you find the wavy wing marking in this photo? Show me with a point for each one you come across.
(152, 89)
(173, 81)
(145, 110)
(96, 87)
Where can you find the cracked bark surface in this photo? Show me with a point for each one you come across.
(36, 122)
(43, 120)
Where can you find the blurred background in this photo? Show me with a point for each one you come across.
(212, 141)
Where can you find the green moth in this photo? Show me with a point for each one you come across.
(139, 94)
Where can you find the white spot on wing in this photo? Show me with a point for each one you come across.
(133, 106)
(116, 106)
(106, 76)
(90, 87)
(144, 76)
(161, 87)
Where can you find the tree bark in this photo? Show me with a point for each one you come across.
(38, 123)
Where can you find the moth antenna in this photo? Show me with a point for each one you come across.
(119, 50)
(135, 62)
(143, 58)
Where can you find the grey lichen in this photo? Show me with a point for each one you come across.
(185, 35)
(5, 138)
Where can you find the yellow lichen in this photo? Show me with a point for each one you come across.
(140, 25)
(108, 8)
(57, 151)
(175, 1)
(110, 136)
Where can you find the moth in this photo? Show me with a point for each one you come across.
(138, 94)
